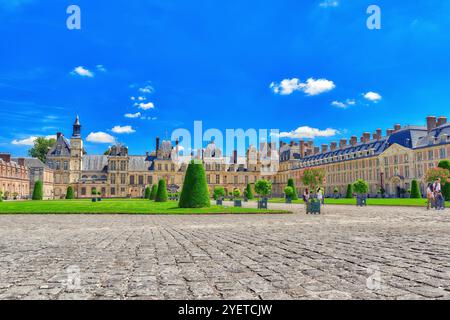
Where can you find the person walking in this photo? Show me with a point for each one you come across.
(430, 197)
(320, 195)
(438, 197)
(306, 197)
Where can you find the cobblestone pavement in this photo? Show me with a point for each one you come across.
(346, 253)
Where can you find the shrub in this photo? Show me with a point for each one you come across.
(38, 192)
(249, 192)
(219, 192)
(94, 191)
(289, 192)
(1, 196)
(195, 192)
(69, 193)
(444, 164)
(147, 193)
(349, 193)
(360, 186)
(292, 185)
(237, 193)
(415, 190)
(263, 187)
(161, 195)
(154, 192)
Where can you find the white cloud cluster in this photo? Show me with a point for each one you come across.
(329, 4)
(147, 89)
(123, 129)
(133, 115)
(145, 106)
(100, 137)
(373, 96)
(29, 141)
(345, 104)
(306, 132)
(311, 87)
(82, 72)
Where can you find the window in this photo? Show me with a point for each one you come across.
(386, 161)
(235, 180)
(442, 153)
(141, 180)
(150, 179)
(132, 179)
(217, 179)
(159, 167)
(83, 191)
(395, 159)
(123, 178)
(172, 167)
(113, 191)
(123, 166)
(66, 165)
(207, 178)
(113, 165)
(406, 171)
(430, 154)
(113, 178)
(58, 165)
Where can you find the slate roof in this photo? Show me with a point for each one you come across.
(138, 163)
(94, 163)
(32, 163)
(61, 147)
(437, 136)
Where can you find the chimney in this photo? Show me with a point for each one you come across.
(333, 146)
(379, 133)
(324, 148)
(353, 140)
(235, 157)
(58, 135)
(302, 148)
(366, 136)
(157, 143)
(397, 127)
(5, 157)
(431, 123)
(309, 152)
(316, 150)
(342, 143)
(389, 132)
(21, 162)
(441, 121)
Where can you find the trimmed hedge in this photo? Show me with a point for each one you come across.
(445, 164)
(249, 192)
(349, 193)
(69, 193)
(415, 190)
(161, 195)
(154, 192)
(147, 193)
(38, 192)
(195, 192)
(292, 185)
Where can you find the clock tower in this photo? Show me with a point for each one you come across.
(76, 152)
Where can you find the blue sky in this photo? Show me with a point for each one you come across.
(282, 64)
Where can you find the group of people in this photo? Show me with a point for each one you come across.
(434, 195)
(308, 196)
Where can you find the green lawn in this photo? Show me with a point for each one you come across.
(132, 206)
(370, 202)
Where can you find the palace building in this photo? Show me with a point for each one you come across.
(390, 161)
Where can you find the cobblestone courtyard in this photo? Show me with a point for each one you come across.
(346, 253)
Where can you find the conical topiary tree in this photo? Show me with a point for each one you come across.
(161, 195)
(1, 196)
(38, 192)
(249, 192)
(195, 192)
(415, 190)
(292, 185)
(154, 192)
(69, 193)
(349, 193)
(147, 193)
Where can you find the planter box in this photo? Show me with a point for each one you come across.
(99, 199)
(238, 203)
(262, 204)
(361, 201)
(313, 207)
(94, 199)
(219, 202)
(288, 200)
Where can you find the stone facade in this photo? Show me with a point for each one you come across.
(37, 170)
(14, 181)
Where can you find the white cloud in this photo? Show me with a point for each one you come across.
(142, 98)
(124, 129)
(133, 115)
(100, 137)
(145, 106)
(133, 98)
(311, 87)
(147, 89)
(343, 105)
(82, 72)
(101, 68)
(329, 3)
(306, 132)
(373, 96)
(29, 141)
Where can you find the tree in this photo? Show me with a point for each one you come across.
(313, 178)
(154, 192)
(349, 193)
(1, 196)
(195, 193)
(435, 173)
(249, 192)
(147, 193)
(292, 185)
(161, 195)
(38, 192)
(263, 187)
(415, 190)
(41, 148)
(445, 164)
(219, 192)
(360, 186)
(107, 152)
(237, 193)
(69, 193)
(289, 192)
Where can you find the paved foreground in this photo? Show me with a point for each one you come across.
(347, 253)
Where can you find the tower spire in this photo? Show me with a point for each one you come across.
(76, 128)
